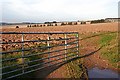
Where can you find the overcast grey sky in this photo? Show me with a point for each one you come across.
(59, 10)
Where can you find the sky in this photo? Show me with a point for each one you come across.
(56, 10)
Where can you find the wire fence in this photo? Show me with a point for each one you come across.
(24, 53)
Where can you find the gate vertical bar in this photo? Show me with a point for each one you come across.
(77, 37)
(65, 36)
(48, 44)
(23, 66)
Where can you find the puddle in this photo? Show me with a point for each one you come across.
(102, 73)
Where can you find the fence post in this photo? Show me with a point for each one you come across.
(77, 37)
(65, 36)
(23, 66)
(48, 44)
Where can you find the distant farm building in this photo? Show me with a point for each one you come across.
(112, 20)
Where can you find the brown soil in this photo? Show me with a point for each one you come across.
(93, 60)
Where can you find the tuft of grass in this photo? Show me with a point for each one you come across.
(105, 39)
(111, 54)
(73, 70)
(110, 48)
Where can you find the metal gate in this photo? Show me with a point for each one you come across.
(24, 53)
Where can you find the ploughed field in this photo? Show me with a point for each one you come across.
(91, 37)
(82, 29)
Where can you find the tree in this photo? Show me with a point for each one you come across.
(54, 22)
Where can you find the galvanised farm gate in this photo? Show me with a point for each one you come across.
(28, 52)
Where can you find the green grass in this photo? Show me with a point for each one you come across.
(110, 49)
(109, 43)
(107, 38)
(110, 54)
(75, 69)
